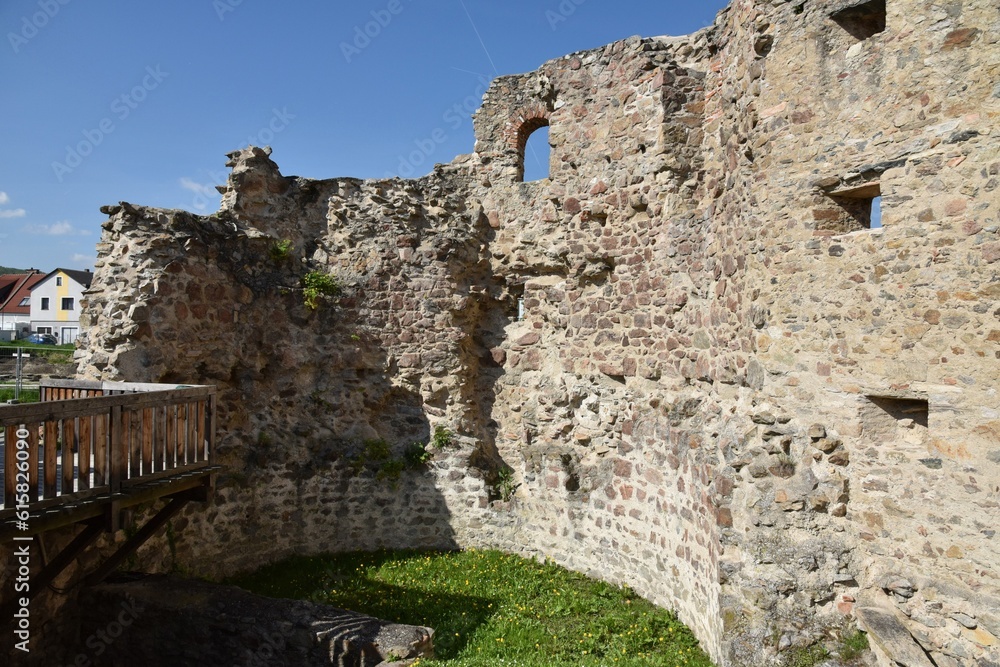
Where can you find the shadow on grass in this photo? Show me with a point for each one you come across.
(351, 581)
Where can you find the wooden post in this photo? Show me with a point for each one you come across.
(68, 447)
(159, 438)
(117, 451)
(32, 462)
(159, 519)
(50, 441)
(171, 459)
(182, 434)
(135, 443)
(101, 475)
(147, 441)
(84, 453)
(211, 428)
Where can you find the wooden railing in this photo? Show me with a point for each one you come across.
(100, 438)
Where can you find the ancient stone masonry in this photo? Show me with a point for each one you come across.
(711, 373)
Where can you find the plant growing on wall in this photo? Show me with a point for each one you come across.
(316, 285)
(506, 486)
(442, 437)
(281, 250)
(417, 455)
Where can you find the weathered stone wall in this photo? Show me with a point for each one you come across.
(302, 390)
(709, 378)
(892, 490)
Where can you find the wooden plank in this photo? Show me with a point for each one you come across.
(83, 384)
(182, 434)
(9, 467)
(39, 412)
(50, 443)
(135, 443)
(211, 427)
(138, 539)
(64, 512)
(170, 434)
(100, 450)
(203, 430)
(116, 448)
(183, 471)
(86, 426)
(160, 440)
(32, 462)
(67, 449)
(147, 441)
(192, 434)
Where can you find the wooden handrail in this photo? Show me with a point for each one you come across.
(121, 433)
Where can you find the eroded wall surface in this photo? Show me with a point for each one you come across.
(709, 377)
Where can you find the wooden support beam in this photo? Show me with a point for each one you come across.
(48, 574)
(133, 543)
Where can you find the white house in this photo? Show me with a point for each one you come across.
(55, 303)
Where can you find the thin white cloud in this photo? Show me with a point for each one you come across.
(204, 189)
(9, 212)
(62, 228)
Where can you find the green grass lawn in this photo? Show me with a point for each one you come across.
(490, 608)
(56, 354)
(27, 395)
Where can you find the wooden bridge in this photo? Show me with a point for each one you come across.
(90, 450)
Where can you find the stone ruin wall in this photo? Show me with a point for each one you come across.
(723, 391)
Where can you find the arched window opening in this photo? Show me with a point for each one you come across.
(537, 153)
(533, 150)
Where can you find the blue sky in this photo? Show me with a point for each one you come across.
(140, 101)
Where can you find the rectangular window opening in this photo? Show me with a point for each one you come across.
(858, 208)
(863, 20)
(44, 305)
(67, 303)
(894, 418)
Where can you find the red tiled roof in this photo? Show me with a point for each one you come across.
(14, 288)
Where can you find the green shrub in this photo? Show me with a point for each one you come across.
(807, 656)
(390, 470)
(853, 645)
(317, 285)
(417, 455)
(442, 437)
(281, 250)
(506, 486)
